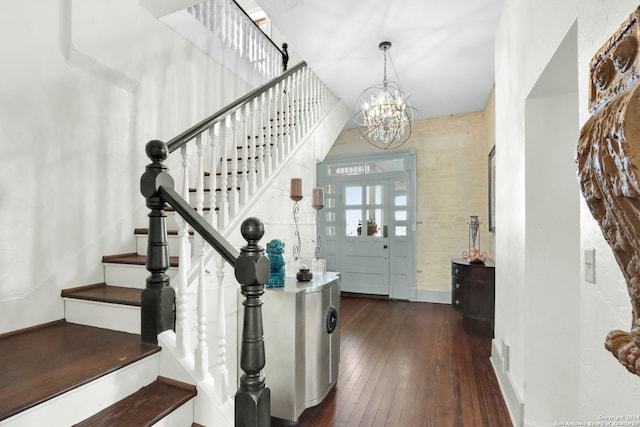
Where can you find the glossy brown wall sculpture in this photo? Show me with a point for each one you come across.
(608, 162)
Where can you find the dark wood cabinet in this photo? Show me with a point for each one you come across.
(473, 295)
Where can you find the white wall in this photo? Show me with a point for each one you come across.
(85, 85)
(554, 321)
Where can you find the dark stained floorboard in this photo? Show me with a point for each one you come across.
(409, 364)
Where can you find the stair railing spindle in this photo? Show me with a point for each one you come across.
(221, 373)
(213, 173)
(268, 134)
(275, 131)
(223, 212)
(233, 153)
(252, 109)
(202, 351)
(182, 327)
(261, 143)
(244, 140)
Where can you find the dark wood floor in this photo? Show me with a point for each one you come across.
(409, 364)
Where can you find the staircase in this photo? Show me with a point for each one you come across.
(92, 368)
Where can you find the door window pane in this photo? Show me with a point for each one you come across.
(353, 196)
(374, 194)
(330, 217)
(401, 230)
(401, 200)
(401, 215)
(330, 230)
(374, 222)
(353, 221)
(401, 185)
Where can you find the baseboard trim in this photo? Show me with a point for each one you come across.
(437, 297)
(512, 399)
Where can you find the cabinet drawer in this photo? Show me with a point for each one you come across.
(457, 271)
(456, 294)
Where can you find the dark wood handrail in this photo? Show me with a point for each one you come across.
(208, 233)
(197, 129)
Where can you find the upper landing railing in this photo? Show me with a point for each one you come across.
(239, 32)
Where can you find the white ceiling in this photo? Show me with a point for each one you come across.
(443, 50)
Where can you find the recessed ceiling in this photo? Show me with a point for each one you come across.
(442, 53)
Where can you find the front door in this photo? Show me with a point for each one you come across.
(365, 241)
(367, 228)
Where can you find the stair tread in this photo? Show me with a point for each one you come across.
(144, 407)
(134, 259)
(41, 363)
(105, 293)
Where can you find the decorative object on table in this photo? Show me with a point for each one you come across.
(372, 227)
(296, 196)
(275, 251)
(318, 204)
(608, 158)
(383, 113)
(474, 255)
(304, 275)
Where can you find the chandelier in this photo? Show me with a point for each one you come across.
(382, 112)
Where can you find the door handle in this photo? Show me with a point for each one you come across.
(385, 246)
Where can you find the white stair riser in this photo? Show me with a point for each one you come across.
(172, 240)
(134, 276)
(82, 402)
(181, 417)
(118, 317)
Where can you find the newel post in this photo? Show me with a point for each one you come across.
(158, 296)
(253, 399)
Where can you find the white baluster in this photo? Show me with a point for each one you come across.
(223, 208)
(304, 97)
(268, 134)
(233, 194)
(236, 29)
(286, 115)
(213, 174)
(226, 23)
(221, 374)
(275, 128)
(182, 327)
(219, 18)
(316, 89)
(244, 139)
(252, 108)
(261, 141)
(202, 351)
(252, 46)
(200, 177)
(280, 112)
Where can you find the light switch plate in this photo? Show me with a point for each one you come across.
(590, 265)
